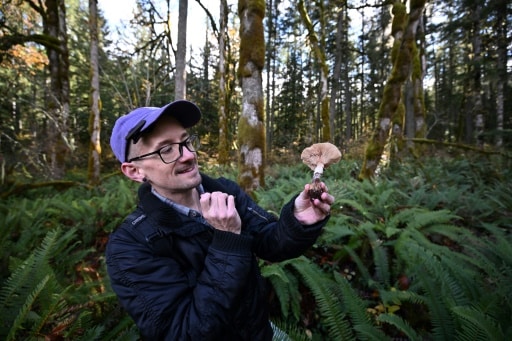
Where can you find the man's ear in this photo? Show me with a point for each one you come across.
(133, 172)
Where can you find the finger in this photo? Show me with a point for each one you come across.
(205, 201)
(322, 206)
(327, 198)
(219, 200)
(305, 193)
(231, 203)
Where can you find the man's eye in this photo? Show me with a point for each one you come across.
(166, 150)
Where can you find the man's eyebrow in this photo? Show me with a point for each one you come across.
(168, 141)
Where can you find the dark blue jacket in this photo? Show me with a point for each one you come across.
(180, 279)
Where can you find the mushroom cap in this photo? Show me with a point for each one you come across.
(323, 154)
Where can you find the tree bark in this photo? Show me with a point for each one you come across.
(501, 67)
(477, 108)
(391, 110)
(251, 127)
(180, 77)
(336, 74)
(59, 145)
(324, 73)
(94, 166)
(223, 158)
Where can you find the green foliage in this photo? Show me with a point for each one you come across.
(52, 279)
(422, 252)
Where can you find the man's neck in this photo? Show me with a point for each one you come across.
(189, 198)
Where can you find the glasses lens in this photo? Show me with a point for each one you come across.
(193, 143)
(170, 153)
(174, 151)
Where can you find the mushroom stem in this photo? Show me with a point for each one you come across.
(319, 170)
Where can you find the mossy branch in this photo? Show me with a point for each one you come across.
(460, 146)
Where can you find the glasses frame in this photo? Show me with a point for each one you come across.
(181, 144)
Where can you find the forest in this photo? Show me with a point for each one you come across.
(416, 94)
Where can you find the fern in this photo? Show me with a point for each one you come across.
(399, 324)
(357, 310)
(363, 270)
(286, 288)
(380, 259)
(327, 298)
(284, 332)
(476, 325)
(25, 284)
(432, 279)
(32, 296)
(125, 329)
(26, 308)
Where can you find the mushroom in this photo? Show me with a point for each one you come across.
(319, 156)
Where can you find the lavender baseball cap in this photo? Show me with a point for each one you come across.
(128, 128)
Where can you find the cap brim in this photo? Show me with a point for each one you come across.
(187, 114)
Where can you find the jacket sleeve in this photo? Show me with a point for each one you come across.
(159, 296)
(285, 238)
(275, 239)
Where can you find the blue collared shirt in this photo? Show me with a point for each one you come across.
(183, 209)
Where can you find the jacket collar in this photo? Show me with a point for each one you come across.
(166, 216)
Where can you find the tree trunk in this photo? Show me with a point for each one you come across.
(223, 158)
(415, 102)
(391, 109)
(477, 108)
(251, 127)
(59, 145)
(94, 118)
(319, 53)
(180, 77)
(336, 74)
(347, 107)
(271, 67)
(418, 75)
(501, 67)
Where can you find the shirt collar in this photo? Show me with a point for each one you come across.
(180, 208)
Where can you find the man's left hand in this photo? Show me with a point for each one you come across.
(310, 211)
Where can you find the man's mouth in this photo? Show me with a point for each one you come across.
(186, 170)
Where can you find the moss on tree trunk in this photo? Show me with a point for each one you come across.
(391, 110)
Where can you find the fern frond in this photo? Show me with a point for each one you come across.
(434, 281)
(125, 329)
(286, 332)
(391, 297)
(327, 298)
(363, 270)
(93, 333)
(475, 325)
(418, 218)
(356, 308)
(362, 209)
(400, 324)
(285, 287)
(380, 259)
(26, 308)
(337, 229)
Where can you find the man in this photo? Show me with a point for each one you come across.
(184, 264)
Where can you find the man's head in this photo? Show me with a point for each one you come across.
(129, 128)
(153, 145)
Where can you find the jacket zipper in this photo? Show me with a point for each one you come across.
(252, 210)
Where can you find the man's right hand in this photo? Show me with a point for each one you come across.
(219, 211)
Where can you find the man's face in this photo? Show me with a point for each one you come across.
(170, 180)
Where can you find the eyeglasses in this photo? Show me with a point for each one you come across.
(173, 151)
